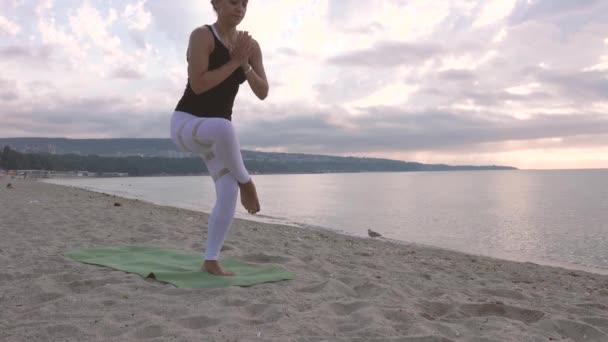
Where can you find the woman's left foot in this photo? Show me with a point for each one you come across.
(213, 267)
(249, 197)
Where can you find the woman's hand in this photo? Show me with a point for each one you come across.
(257, 78)
(242, 48)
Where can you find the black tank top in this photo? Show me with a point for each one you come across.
(216, 102)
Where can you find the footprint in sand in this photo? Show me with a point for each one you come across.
(596, 321)
(108, 302)
(329, 286)
(500, 310)
(350, 327)
(597, 306)
(314, 288)
(84, 286)
(504, 293)
(435, 310)
(235, 302)
(227, 248)
(345, 309)
(179, 292)
(369, 289)
(264, 313)
(265, 259)
(578, 331)
(147, 228)
(6, 277)
(151, 331)
(397, 315)
(66, 277)
(197, 246)
(198, 322)
(47, 297)
(62, 331)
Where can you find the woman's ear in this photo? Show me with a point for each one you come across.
(215, 4)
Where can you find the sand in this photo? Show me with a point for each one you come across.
(347, 289)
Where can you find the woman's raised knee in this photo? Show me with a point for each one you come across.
(224, 130)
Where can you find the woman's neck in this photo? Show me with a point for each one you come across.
(227, 31)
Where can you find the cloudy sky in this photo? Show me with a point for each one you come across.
(505, 82)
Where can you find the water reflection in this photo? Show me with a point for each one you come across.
(539, 216)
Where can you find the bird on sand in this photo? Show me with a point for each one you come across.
(372, 233)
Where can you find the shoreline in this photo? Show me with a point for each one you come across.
(346, 288)
(126, 175)
(284, 221)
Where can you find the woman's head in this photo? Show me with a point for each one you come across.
(230, 11)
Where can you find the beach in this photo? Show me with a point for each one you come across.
(346, 288)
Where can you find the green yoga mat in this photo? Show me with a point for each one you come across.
(176, 267)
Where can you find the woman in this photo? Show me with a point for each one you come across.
(220, 58)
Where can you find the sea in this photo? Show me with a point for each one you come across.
(548, 217)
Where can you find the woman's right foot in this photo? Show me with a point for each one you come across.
(213, 267)
(249, 197)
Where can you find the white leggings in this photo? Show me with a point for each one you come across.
(215, 141)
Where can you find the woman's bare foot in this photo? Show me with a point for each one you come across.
(249, 197)
(213, 267)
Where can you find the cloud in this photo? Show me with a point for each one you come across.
(391, 129)
(580, 87)
(8, 27)
(391, 95)
(138, 17)
(540, 10)
(89, 24)
(388, 54)
(456, 75)
(51, 34)
(494, 11)
(8, 90)
(26, 53)
(191, 14)
(83, 116)
(601, 66)
(127, 73)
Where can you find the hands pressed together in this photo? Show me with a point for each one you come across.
(242, 48)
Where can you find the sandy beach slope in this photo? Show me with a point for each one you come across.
(347, 289)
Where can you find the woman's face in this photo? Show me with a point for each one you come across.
(231, 11)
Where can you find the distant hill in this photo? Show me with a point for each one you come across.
(143, 151)
(99, 147)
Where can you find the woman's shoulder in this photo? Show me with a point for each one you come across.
(204, 30)
(256, 46)
(202, 34)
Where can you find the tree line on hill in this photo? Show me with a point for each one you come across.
(256, 162)
(134, 166)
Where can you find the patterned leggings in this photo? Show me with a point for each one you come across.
(215, 141)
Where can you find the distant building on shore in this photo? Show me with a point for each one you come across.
(30, 173)
(113, 174)
(25, 174)
(40, 148)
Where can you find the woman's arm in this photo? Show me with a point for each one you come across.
(256, 77)
(199, 49)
